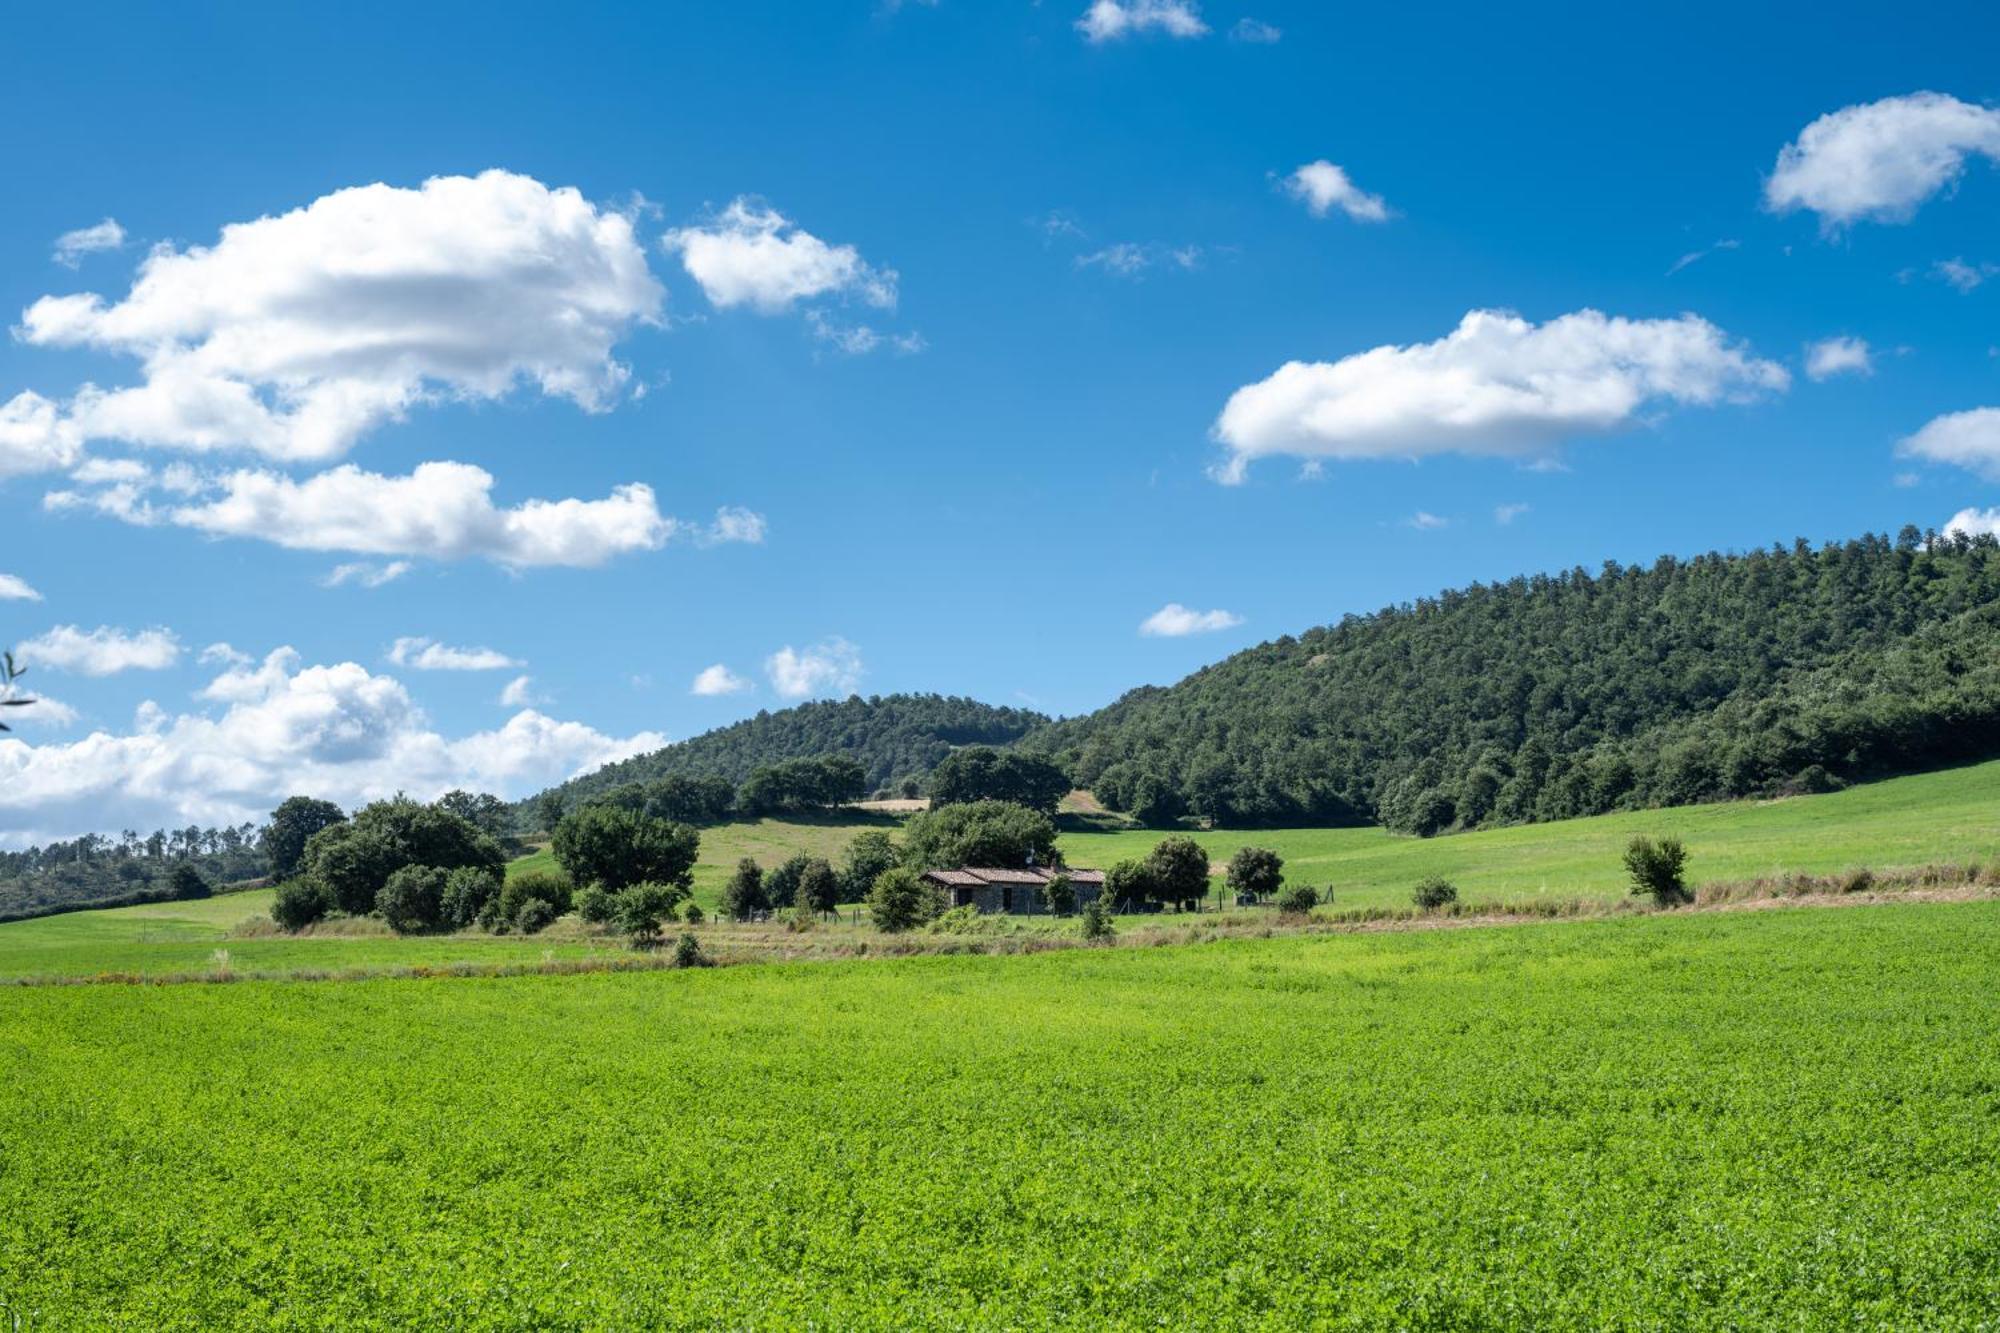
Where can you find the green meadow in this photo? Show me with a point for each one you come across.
(1935, 818)
(1779, 1118)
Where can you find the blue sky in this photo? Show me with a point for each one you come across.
(943, 339)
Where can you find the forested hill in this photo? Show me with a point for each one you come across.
(1791, 669)
(893, 737)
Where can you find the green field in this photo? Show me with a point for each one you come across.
(1935, 818)
(1784, 1118)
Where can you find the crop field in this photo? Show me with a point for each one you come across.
(1759, 1118)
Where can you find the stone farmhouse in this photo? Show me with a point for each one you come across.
(1018, 892)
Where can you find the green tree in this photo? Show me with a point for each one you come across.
(982, 773)
(996, 834)
(1434, 892)
(468, 891)
(412, 899)
(483, 810)
(1658, 870)
(1096, 924)
(872, 852)
(606, 845)
(901, 900)
(186, 882)
(554, 891)
(295, 820)
(1129, 883)
(1298, 899)
(1178, 869)
(1257, 871)
(743, 897)
(1059, 894)
(355, 859)
(781, 885)
(639, 910)
(819, 887)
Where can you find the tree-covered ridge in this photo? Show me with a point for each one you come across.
(94, 870)
(892, 737)
(1560, 695)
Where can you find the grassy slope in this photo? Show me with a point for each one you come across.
(1951, 816)
(1756, 1119)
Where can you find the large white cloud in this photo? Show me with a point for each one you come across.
(104, 651)
(1969, 439)
(442, 511)
(1322, 187)
(1111, 20)
(752, 255)
(1880, 160)
(1974, 523)
(34, 437)
(293, 335)
(1497, 384)
(274, 729)
(829, 667)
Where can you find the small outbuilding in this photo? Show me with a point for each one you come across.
(1018, 892)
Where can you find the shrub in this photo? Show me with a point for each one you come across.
(1096, 923)
(1128, 882)
(958, 921)
(413, 899)
(694, 916)
(1434, 892)
(1657, 870)
(687, 951)
(1059, 895)
(468, 891)
(596, 904)
(1299, 898)
(639, 910)
(743, 897)
(538, 885)
(534, 916)
(901, 900)
(1858, 881)
(1256, 871)
(299, 903)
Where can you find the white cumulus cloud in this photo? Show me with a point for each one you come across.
(275, 729)
(1496, 385)
(718, 680)
(519, 693)
(72, 246)
(441, 511)
(293, 335)
(1174, 621)
(422, 654)
(1839, 356)
(829, 667)
(1974, 523)
(752, 255)
(1111, 20)
(1879, 161)
(1322, 187)
(1969, 439)
(14, 588)
(103, 651)
(34, 437)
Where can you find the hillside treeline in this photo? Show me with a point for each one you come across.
(895, 738)
(101, 871)
(1781, 670)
